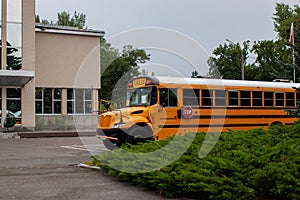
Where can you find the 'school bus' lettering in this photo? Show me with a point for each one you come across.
(163, 106)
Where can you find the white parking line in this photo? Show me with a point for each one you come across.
(89, 148)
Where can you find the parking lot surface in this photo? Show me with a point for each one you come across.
(46, 168)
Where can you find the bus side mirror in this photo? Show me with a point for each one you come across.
(162, 98)
(107, 105)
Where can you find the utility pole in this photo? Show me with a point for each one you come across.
(242, 59)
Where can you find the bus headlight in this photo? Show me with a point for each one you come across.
(118, 125)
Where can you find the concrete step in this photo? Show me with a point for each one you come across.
(9, 135)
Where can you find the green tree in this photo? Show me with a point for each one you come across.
(283, 18)
(194, 74)
(272, 60)
(227, 61)
(118, 69)
(65, 19)
(273, 57)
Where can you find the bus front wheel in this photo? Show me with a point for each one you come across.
(139, 134)
(109, 145)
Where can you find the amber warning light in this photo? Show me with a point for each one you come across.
(140, 82)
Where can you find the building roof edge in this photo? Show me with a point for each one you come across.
(67, 30)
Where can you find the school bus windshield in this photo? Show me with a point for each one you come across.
(145, 96)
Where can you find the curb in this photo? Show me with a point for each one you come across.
(44, 134)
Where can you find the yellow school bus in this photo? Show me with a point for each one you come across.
(163, 106)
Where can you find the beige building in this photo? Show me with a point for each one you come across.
(50, 75)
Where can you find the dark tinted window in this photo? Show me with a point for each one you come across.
(206, 97)
(245, 98)
(191, 97)
(268, 99)
(257, 98)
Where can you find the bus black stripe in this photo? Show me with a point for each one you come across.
(210, 125)
(239, 116)
(241, 108)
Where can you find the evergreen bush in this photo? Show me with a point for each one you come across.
(253, 164)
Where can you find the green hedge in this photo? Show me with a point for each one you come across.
(254, 164)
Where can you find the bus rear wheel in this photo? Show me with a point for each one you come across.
(139, 134)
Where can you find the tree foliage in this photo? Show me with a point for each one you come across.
(227, 63)
(77, 20)
(117, 69)
(273, 57)
(65, 18)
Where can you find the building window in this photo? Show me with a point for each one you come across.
(0, 33)
(13, 99)
(48, 100)
(79, 101)
(14, 35)
(0, 99)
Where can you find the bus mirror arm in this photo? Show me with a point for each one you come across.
(121, 117)
(161, 107)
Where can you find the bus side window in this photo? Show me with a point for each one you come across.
(268, 99)
(220, 98)
(245, 98)
(257, 98)
(279, 98)
(191, 97)
(290, 99)
(168, 97)
(233, 98)
(207, 97)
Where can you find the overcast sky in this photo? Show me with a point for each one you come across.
(195, 26)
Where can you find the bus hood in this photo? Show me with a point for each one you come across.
(125, 116)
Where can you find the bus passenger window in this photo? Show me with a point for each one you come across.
(290, 99)
(257, 98)
(207, 97)
(191, 97)
(279, 98)
(245, 98)
(168, 97)
(220, 98)
(233, 98)
(268, 99)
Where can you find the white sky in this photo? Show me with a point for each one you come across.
(206, 23)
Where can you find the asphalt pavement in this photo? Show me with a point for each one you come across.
(46, 168)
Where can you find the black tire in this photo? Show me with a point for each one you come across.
(109, 145)
(276, 124)
(139, 134)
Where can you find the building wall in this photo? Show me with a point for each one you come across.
(66, 122)
(67, 61)
(60, 59)
(28, 91)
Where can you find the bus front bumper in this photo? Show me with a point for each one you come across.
(114, 135)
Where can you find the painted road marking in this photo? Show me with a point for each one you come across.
(90, 148)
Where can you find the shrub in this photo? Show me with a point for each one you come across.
(253, 164)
